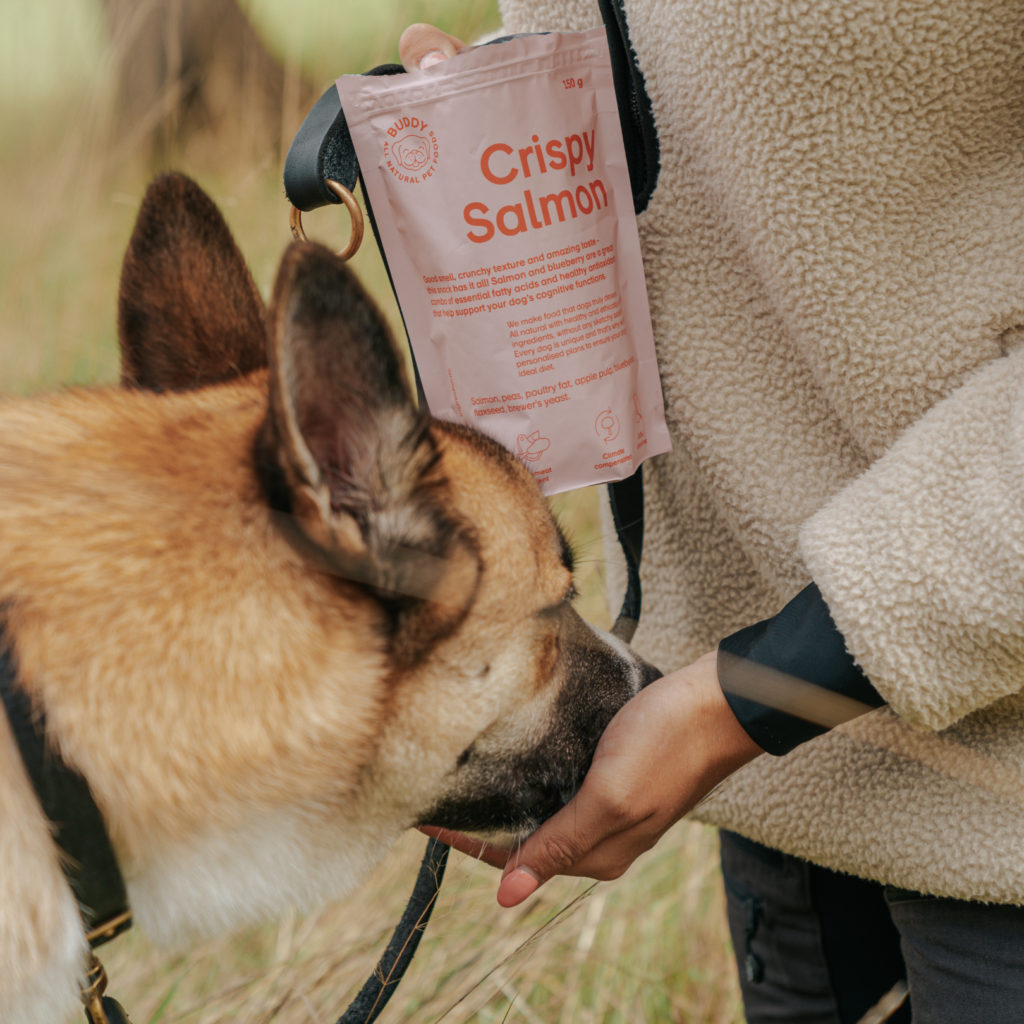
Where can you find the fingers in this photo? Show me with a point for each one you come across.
(664, 750)
(551, 855)
(564, 845)
(496, 856)
(423, 45)
(578, 840)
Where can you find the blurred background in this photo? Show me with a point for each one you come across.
(98, 96)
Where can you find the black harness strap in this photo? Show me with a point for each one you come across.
(78, 829)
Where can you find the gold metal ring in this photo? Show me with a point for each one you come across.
(355, 239)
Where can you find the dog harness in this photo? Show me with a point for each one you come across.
(87, 856)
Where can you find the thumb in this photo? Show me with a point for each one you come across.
(424, 45)
(554, 849)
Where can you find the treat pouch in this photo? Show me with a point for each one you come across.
(501, 195)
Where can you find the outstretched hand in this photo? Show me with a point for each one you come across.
(664, 751)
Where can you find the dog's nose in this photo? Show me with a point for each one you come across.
(648, 673)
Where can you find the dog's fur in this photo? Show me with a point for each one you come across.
(272, 614)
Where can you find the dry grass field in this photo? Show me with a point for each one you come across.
(652, 946)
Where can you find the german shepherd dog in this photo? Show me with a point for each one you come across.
(272, 614)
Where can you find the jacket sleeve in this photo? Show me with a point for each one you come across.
(918, 599)
(791, 678)
(921, 559)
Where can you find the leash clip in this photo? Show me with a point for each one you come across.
(355, 237)
(100, 1009)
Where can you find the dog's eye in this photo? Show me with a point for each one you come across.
(568, 597)
(568, 555)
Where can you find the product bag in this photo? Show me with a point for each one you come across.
(501, 195)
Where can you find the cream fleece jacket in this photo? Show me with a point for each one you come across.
(835, 261)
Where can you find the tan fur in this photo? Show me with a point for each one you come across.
(191, 507)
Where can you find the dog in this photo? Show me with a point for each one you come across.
(272, 614)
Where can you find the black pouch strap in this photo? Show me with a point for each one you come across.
(626, 498)
(322, 149)
(636, 116)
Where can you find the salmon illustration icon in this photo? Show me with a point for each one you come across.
(411, 152)
(532, 446)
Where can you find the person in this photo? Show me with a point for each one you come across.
(835, 262)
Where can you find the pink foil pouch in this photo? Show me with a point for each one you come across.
(501, 194)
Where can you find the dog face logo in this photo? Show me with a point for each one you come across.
(411, 152)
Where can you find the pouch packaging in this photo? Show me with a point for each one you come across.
(501, 195)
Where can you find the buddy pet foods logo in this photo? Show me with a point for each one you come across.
(410, 150)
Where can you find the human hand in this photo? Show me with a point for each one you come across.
(422, 46)
(664, 751)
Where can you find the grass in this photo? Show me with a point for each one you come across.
(652, 946)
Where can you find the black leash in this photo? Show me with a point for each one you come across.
(380, 986)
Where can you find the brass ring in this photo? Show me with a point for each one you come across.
(355, 239)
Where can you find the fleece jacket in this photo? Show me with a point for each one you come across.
(835, 262)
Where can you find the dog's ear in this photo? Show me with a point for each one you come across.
(361, 483)
(189, 313)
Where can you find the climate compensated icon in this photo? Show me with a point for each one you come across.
(532, 446)
(606, 426)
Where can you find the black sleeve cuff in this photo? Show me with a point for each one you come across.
(790, 678)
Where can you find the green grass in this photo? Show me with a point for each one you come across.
(652, 946)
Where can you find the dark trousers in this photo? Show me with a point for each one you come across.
(817, 947)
